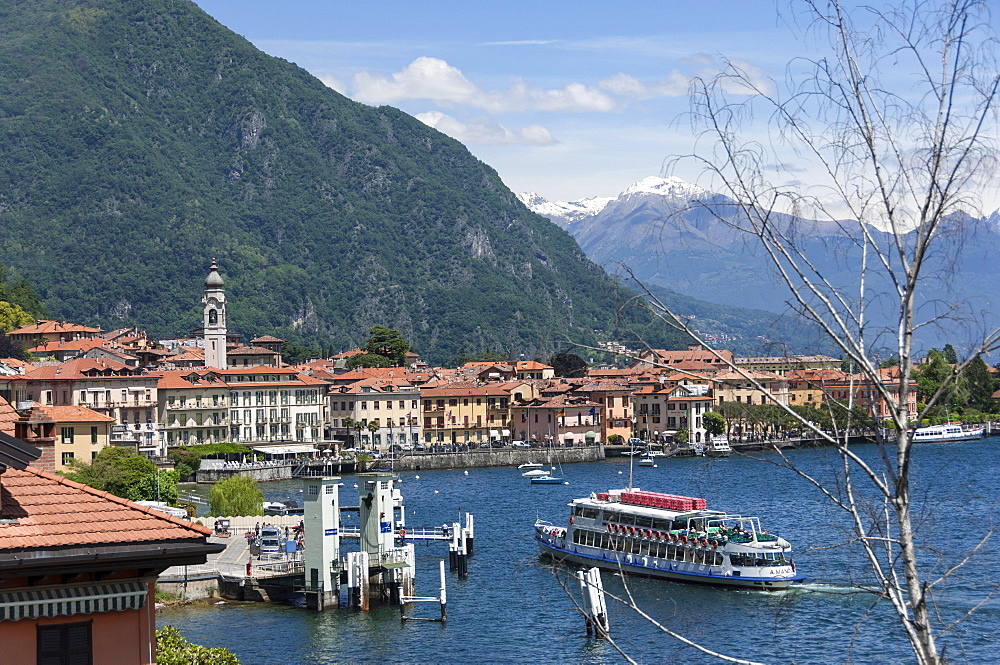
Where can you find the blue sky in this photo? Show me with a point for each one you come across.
(566, 99)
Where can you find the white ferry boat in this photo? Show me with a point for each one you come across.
(946, 433)
(669, 537)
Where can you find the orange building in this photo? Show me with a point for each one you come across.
(78, 567)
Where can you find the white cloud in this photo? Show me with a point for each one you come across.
(485, 131)
(333, 82)
(674, 84)
(677, 84)
(436, 80)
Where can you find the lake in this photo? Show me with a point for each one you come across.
(512, 607)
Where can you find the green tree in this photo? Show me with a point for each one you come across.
(13, 317)
(296, 354)
(568, 365)
(373, 427)
(979, 386)
(368, 360)
(950, 356)
(388, 343)
(124, 473)
(234, 496)
(172, 649)
(714, 423)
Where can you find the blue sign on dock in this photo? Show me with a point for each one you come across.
(330, 532)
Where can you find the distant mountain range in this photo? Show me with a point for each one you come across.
(652, 228)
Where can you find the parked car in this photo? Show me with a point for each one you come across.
(519, 444)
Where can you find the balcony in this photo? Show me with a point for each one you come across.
(194, 406)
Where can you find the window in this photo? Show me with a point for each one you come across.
(65, 644)
(93, 434)
(67, 435)
(66, 457)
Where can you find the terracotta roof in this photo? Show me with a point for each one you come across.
(74, 345)
(531, 364)
(266, 338)
(66, 414)
(52, 511)
(74, 369)
(7, 417)
(44, 326)
(250, 351)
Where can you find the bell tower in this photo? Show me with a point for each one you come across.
(215, 319)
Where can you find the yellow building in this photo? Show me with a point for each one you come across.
(64, 433)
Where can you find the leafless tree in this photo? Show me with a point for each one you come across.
(895, 126)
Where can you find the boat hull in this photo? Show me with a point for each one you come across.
(658, 569)
(546, 480)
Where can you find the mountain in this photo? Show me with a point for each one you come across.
(142, 139)
(696, 251)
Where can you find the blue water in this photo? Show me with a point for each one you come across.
(512, 608)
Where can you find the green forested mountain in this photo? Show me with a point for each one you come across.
(140, 139)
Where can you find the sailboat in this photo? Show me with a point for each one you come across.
(550, 478)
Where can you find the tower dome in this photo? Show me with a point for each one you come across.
(214, 279)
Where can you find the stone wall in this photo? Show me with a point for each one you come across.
(501, 457)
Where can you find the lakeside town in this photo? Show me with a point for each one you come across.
(93, 388)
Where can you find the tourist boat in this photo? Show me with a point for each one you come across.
(529, 465)
(718, 446)
(946, 433)
(669, 537)
(535, 473)
(546, 480)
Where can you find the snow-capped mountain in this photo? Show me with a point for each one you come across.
(564, 213)
(697, 251)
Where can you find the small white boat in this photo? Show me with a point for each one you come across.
(535, 473)
(529, 465)
(947, 433)
(718, 446)
(646, 461)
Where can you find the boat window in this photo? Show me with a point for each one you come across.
(625, 518)
(611, 516)
(643, 521)
(589, 513)
(661, 524)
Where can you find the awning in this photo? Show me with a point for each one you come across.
(47, 603)
(506, 433)
(494, 434)
(284, 450)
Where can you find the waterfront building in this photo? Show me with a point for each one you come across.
(268, 404)
(193, 407)
(616, 398)
(740, 387)
(661, 411)
(125, 394)
(563, 419)
(390, 405)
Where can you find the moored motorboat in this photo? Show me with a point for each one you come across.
(947, 433)
(535, 473)
(718, 446)
(669, 537)
(529, 465)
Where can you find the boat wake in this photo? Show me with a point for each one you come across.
(825, 588)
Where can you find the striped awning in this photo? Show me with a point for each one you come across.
(68, 601)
